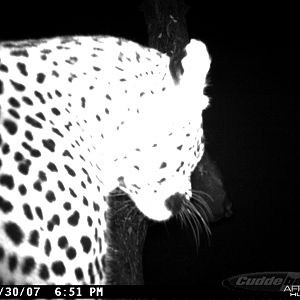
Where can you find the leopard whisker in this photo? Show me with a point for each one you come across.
(199, 214)
(202, 205)
(202, 193)
(203, 221)
(194, 228)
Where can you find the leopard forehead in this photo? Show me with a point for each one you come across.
(79, 117)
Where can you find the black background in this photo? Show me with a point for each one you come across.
(251, 126)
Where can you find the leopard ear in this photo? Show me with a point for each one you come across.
(195, 64)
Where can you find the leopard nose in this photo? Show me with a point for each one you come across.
(174, 203)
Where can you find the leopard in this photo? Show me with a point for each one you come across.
(82, 116)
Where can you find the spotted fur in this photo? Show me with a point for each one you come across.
(79, 117)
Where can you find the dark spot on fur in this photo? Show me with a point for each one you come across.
(91, 273)
(14, 113)
(19, 53)
(49, 144)
(88, 177)
(37, 186)
(42, 176)
(72, 60)
(62, 242)
(34, 238)
(136, 186)
(40, 78)
(27, 100)
(3, 68)
(71, 253)
(35, 153)
(41, 116)
(162, 180)
(58, 268)
(137, 56)
(163, 165)
(67, 205)
(22, 189)
(18, 156)
(85, 201)
(17, 86)
(14, 102)
(50, 226)
(44, 272)
(22, 68)
(55, 111)
(68, 126)
(39, 212)
(5, 205)
(54, 73)
(12, 263)
(96, 206)
(70, 171)
(52, 167)
(72, 77)
(74, 218)
(28, 135)
(5, 149)
(86, 244)
(10, 126)
(40, 97)
(67, 153)
(73, 194)
(33, 122)
(60, 185)
(28, 265)
(27, 211)
(7, 181)
(47, 247)
(26, 146)
(89, 221)
(14, 232)
(24, 167)
(55, 220)
(55, 130)
(78, 273)
(83, 102)
(50, 196)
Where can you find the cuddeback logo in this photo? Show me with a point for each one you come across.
(266, 282)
